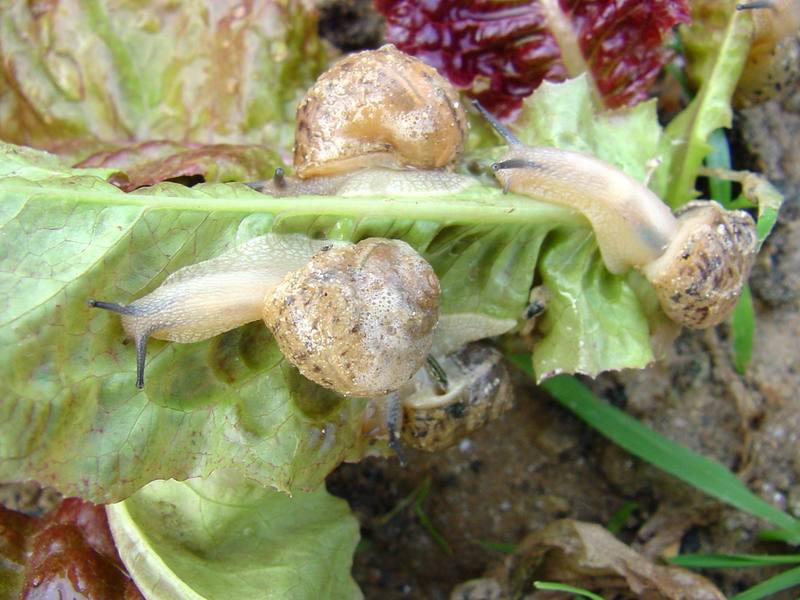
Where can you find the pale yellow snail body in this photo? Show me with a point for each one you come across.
(697, 261)
(377, 122)
(357, 318)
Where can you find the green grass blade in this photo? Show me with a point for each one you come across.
(777, 535)
(743, 319)
(425, 520)
(719, 157)
(773, 585)
(743, 327)
(502, 547)
(733, 561)
(562, 587)
(620, 517)
(431, 530)
(703, 473)
(767, 217)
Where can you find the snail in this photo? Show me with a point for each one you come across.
(479, 391)
(773, 62)
(376, 122)
(356, 318)
(697, 260)
(428, 418)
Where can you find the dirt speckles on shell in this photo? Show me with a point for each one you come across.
(357, 319)
(773, 63)
(379, 108)
(700, 277)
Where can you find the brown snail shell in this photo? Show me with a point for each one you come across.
(378, 108)
(357, 319)
(479, 391)
(773, 63)
(699, 277)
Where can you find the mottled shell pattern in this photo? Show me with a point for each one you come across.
(378, 108)
(773, 63)
(699, 277)
(357, 319)
(479, 391)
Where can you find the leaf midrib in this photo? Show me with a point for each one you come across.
(497, 208)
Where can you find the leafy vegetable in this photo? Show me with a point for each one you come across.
(565, 115)
(177, 71)
(224, 538)
(152, 162)
(717, 43)
(499, 52)
(68, 553)
(72, 417)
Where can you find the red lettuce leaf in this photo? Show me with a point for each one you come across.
(151, 162)
(500, 51)
(68, 553)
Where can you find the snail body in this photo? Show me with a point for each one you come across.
(568, 178)
(357, 318)
(370, 119)
(773, 62)
(697, 263)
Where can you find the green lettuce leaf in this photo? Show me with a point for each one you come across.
(717, 43)
(72, 417)
(225, 538)
(80, 75)
(565, 115)
(584, 298)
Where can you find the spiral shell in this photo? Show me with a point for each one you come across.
(699, 277)
(479, 391)
(379, 108)
(773, 63)
(357, 319)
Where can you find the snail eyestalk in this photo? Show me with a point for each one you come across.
(437, 372)
(111, 306)
(279, 178)
(394, 423)
(139, 338)
(514, 164)
(756, 4)
(504, 131)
